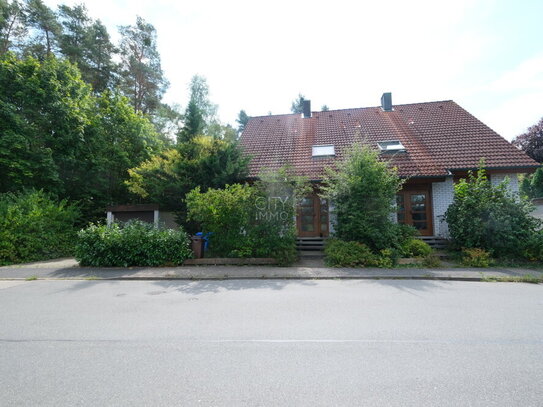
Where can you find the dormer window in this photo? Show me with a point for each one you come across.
(393, 146)
(324, 151)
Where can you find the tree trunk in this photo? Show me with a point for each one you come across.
(5, 45)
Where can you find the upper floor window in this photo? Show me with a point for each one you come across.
(323, 151)
(391, 146)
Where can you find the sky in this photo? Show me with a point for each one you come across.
(486, 55)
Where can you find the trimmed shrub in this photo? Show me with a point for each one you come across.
(339, 253)
(134, 243)
(476, 258)
(33, 226)
(415, 248)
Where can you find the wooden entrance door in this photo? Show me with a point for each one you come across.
(414, 208)
(312, 219)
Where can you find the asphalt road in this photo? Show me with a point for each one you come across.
(270, 343)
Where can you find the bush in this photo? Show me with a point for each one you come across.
(476, 258)
(415, 248)
(431, 261)
(250, 220)
(232, 215)
(34, 227)
(532, 184)
(134, 243)
(386, 258)
(533, 248)
(339, 253)
(363, 191)
(489, 217)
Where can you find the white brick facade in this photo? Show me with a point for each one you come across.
(332, 218)
(513, 185)
(442, 197)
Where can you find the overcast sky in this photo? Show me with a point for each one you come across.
(485, 55)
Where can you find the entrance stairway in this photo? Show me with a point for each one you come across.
(314, 246)
(310, 244)
(310, 251)
(435, 242)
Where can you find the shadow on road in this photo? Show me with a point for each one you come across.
(198, 287)
(95, 272)
(214, 286)
(413, 286)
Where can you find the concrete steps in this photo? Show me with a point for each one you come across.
(435, 242)
(307, 244)
(313, 247)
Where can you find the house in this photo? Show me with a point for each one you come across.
(432, 144)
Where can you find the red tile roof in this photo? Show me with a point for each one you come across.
(438, 137)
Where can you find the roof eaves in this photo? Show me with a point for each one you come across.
(505, 167)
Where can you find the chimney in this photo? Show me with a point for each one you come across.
(386, 102)
(307, 108)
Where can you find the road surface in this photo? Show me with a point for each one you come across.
(270, 343)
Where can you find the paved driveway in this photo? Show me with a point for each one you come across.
(270, 343)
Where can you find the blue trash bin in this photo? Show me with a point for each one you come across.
(206, 237)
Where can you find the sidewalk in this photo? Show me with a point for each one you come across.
(69, 269)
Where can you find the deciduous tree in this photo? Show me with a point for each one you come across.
(204, 161)
(531, 142)
(56, 135)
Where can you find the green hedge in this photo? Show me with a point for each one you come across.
(33, 226)
(134, 243)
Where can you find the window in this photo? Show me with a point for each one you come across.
(324, 151)
(391, 146)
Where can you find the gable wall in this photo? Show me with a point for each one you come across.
(513, 186)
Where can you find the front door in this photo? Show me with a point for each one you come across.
(312, 219)
(414, 209)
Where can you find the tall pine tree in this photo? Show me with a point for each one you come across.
(242, 120)
(73, 39)
(142, 79)
(12, 25)
(44, 29)
(103, 71)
